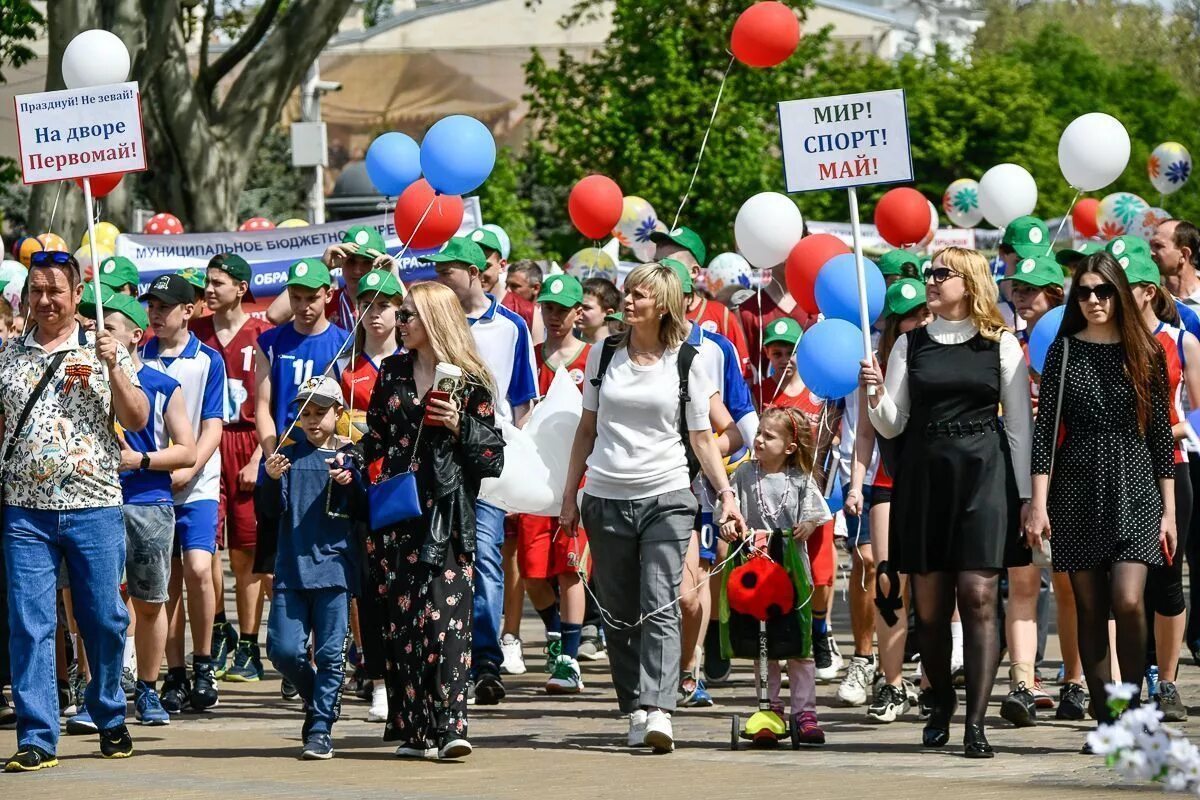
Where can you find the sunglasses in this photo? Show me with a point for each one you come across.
(404, 316)
(940, 275)
(1102, 291)
(42, 258)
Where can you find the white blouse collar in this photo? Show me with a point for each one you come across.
(947, 331)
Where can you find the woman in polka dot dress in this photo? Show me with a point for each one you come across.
(1111, 501)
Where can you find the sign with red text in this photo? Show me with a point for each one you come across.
(77, 133)
(846, 140)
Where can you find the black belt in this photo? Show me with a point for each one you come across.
(974, 427)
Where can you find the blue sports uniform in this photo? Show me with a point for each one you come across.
(143, 487)
(294, 358)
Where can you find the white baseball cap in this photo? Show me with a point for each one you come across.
(322, 391)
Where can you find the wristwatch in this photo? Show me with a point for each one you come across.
(145, 461)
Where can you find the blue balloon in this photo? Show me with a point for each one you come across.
(1043, 335)
(837, 498)
(836, 289)
(827, 358)
(393, 163)
(457, 154)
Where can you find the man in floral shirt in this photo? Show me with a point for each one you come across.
(62, 501)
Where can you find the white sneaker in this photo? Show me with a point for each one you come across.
(379, 704)
(566, 678)
(455, 748)
(637, 728)
(659, 735)
(409, 751)
(853, 691)
(514, 662)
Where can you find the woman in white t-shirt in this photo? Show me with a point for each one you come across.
(638, 507)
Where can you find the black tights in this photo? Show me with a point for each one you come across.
(1119, 589)
(976, 591)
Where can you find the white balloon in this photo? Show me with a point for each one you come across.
(1006, 191)
(767, 227)
(11, 270)
(1093, 151)
(95, 58)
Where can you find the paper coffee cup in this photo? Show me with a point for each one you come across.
(447, 378)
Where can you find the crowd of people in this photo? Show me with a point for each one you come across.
(330, 454)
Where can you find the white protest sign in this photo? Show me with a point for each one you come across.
(77, 133)
(845, 141)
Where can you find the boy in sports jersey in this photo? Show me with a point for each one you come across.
(200, 373)
(361, 250)
(148, 457)
(685, 246)
(119, 274)
(504, 344)
(233, 333)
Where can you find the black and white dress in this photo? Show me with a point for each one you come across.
(961, 473)
(1105, 504)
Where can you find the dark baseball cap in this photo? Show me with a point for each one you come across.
(235, 267)
(172, 288)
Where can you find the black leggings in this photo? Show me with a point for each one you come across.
(1192, 553)
(1164, 587)
(976, 592)
(1119, 590)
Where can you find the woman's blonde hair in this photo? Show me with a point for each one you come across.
(661, 283)
(446, 326)
(981, 288)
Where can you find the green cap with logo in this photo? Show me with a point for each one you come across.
(380, 282)
(684, 274)
(686, 238)
(1128, 245)
(365, 241)
(130, 308)
(310, 273)
(118, 271)
(87, 303)
(487, 238)
(901, 263)
(1028, 236)
(1140, 268)
(459, 249)
(1070, 255)
(1037, 271)
(784, 329)
(903, 296)
(565, 290)
(195, 276)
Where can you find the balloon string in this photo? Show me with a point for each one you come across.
(54, 208)
(703, 144)
(1063, 223)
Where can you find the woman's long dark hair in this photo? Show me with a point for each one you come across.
(1144, 359)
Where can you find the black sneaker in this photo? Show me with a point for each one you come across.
(247, 664)
(30, 758)
(1072, 702)
(8, 714)
(224, 640)
(1019, 707)
(890, 703)
(116, 743)
(925, 702)
(489, 689)
(176, 695)
(287, 691)
(822, 653)
(716, 668)
(1169, 702)
(204, 686)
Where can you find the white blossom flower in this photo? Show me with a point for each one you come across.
(1175, 782)
(1133, 765)
(1183, 754)
(1156, 746)
(1142, 719)
(1121, 691)
(1109, 739)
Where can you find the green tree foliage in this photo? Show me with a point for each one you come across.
(275, 190)
(20, 23)
(504, 203)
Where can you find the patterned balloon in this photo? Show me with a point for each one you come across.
(162, 224)
(1146, 222)
(1169, 167)
(638, 221)
(106, 236)
(52, 241)
(1118, 214)
(257, 224)
(961, 203)
(727, 269)
(933, 229)
(592, 262)
(294, 222)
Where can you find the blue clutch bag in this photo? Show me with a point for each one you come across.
(393, 501)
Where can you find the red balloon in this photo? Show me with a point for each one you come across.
(805, 261)
(102, 184)
(766, 34)
(163, 224)
(1084, 217)
(902, 217)
(257, 224)
(442, 222)
(595, 206)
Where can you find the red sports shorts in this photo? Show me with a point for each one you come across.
(822, 555)
(543, 551)
(236, 525)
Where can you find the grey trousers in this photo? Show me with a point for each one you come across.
(637, 549)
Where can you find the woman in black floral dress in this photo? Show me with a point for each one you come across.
(421, 570)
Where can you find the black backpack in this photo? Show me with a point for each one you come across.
(687, 353)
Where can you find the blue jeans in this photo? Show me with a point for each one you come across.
(325, 613)
(489, 587)
(92, 542)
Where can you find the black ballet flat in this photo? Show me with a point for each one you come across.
(937, 729)
(975, 743)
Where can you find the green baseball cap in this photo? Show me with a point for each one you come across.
(310, 273)
(460, 249)
(380, 282)
(685, 274)
(903, 296)
(685, 238)
(365, 241)
(118, 271)
(1070, 255)
(195, 276)
(1125, 245)
(1037, 271)
(1140, 268)
(616, 316)
(129, 307)
(565, 290)
(901, 263)
(233, 265)
(1028, 236)
(87, 304)
(487, 238)
(784, 329)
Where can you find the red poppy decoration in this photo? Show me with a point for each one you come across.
(761, 589)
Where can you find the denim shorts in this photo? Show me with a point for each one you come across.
(149, 534)
(858, 529)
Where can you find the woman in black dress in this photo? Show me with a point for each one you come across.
(420, 570)
(955, 513)
(1108, 492)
